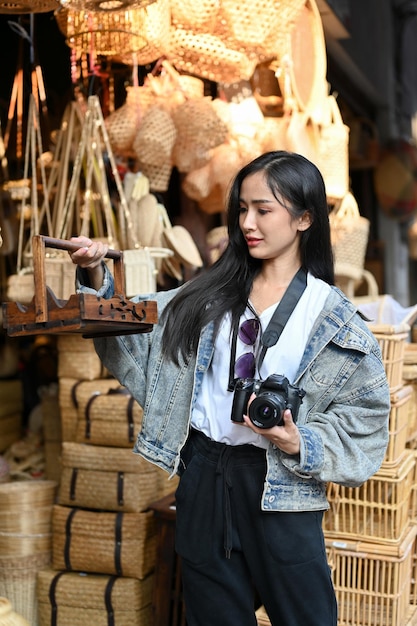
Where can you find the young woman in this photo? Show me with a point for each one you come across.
(252, 489)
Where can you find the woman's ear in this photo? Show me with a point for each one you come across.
(305, 221)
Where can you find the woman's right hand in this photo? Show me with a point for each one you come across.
(89, 256)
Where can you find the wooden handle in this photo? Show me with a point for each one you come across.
(39, 243)
(70, 246)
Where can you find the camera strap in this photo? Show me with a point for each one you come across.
(277, 322)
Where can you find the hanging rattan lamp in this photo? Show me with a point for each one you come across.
(104, 5)
(27, 6)
(105, 33)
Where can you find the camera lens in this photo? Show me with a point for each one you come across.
(266, 410)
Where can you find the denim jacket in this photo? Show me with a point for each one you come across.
(343, 420)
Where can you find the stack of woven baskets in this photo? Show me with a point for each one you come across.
(371, 531)
(103, 533)
(25, 541)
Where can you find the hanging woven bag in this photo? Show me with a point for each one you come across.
(349, 233)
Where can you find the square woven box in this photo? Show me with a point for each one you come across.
(78, 599)
(372, 582)
(376, 512)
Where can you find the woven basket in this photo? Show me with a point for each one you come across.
(26, 496)
(207, 55)
(73, 397)
(199, 129)
(349, 233)
(305, 73)
(200, 17)
(18, 577)
(107, 33)
(20, 287)
(122, 544)
(77, 358)
(104, 478)
(155, 139)
(333, 156)
(257, 25)
(112, 418)
(79, 599)
(140, 272)
(122, 126)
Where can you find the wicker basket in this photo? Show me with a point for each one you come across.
(77, 358)
(75, 393)
(391, 340)
(199, 129)
(333, 157)
(207, 55)
(398, 426)
(75, 599)
(155, 138)
(112, 418)
(372, 583)
(350, 232)
(18, 576)
(106, 479)
(122, 544)
(378, 511)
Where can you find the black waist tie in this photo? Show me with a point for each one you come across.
(227, 457)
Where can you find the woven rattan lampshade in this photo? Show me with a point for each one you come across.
(104, 5)
(107, 33)
(28, 6)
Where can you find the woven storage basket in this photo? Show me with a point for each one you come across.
(106, 479)
(398, 426)
(378, 511)
(207, 56)
(26, 496)
(391, 340)
(18, 577)
(74, 395)
(112, 418)
(333, 157)
(155, 138)
(76, 599)
(349, 233)
(123, 544)
(372, 583)
(199, 129)
(77, 358)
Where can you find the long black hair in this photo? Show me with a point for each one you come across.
(226, 285)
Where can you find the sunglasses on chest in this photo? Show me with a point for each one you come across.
(245, 366)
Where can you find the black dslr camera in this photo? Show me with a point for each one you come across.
(273, 396)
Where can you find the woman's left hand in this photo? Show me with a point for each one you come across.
(285, 437)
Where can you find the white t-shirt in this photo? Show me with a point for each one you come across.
(212, 410)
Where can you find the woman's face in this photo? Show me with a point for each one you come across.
(269, 229)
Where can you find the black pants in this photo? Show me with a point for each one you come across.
(229, 547)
